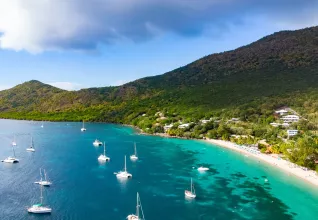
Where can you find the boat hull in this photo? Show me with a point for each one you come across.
(44, 183)
(124, 175)
(103, 158)
(189, 194)
(40, 210)
(133, 157)
(133, 217)
(30, 149)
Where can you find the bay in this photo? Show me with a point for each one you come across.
(235, 187)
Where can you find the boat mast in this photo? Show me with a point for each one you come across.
(191, 185)
(83, 124)
(135, 149)
(125, 164)
(13, 150)
(137, 207)
(32, 142)
(41, 197)
(104, 149)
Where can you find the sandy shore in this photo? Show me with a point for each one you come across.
(308, 175)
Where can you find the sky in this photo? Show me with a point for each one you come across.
(74, 44)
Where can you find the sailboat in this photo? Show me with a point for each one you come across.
(134, 156)
(137, 215)
(83, 128)
(201, 168)
(97, 143)
(42, 125)
(44, 182)
(11, 159)
(14, 143)
(39, 208)
(190, 194)
(31, 148)
(103, 157)
(124, 174)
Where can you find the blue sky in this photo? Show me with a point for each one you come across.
(79, 44)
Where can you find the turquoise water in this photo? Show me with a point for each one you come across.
(233, 188)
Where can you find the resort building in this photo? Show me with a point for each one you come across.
(290, 118)
(292, 132)
(204, 121)
(275, 124)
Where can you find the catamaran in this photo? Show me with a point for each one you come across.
(83, 128)
(39, 208)
(103, 157)
(31, 148)
(124, 174)
(134, 156)
(11, 159)
(137, 215)
(190, 194)
(44, 182)
(97, 143)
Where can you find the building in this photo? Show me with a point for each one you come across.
(275, 124)
(204, 121)
(281, 112)
(292, 132)
(290, 118)
(167, 127)
(184, 125)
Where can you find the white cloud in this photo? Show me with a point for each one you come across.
(38, 25)
(4, 87)
(70, 86)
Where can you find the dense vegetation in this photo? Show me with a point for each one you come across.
(248, 83)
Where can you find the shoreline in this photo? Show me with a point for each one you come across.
(310, 176)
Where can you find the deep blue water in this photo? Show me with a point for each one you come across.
(83, 189)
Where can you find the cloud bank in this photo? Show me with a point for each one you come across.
(39, 25)
(70, 86)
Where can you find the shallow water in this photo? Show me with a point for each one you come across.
(233, 188)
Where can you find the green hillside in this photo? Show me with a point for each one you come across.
(248, 83)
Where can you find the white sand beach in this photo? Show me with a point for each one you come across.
(274, 160)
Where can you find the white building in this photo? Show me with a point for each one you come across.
(184, 125)
(290, 118)
(275, 124)
(204, 121)
(292, 132)
(281, 112)
(167, 127)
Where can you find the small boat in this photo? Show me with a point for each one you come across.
(190, 194)
(83, 128)
(134, 156)
(11, 159)
(42, 126)
(44, 182)
(14, 143)
(31, 148)
(40, 208)
(124, 174)
(203, 169)
(138, 211)
(103, 157)
(97, 143)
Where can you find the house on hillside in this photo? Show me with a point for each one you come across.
(184, 125)
(281, 111)
(204, 121)
(290, 118)
(167, 127)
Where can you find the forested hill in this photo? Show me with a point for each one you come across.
(281, 67)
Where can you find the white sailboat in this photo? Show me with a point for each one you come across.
(44, 182)
(103, 157)
(31, 148)
(83, 128)
(42, 126)
(190, 194)
(138, 213)
(134, 156)
(124, 174)
(14, 143)
(97, 143)
(11, 159)
(39, 208)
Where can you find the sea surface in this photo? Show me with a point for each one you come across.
(235, 187)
